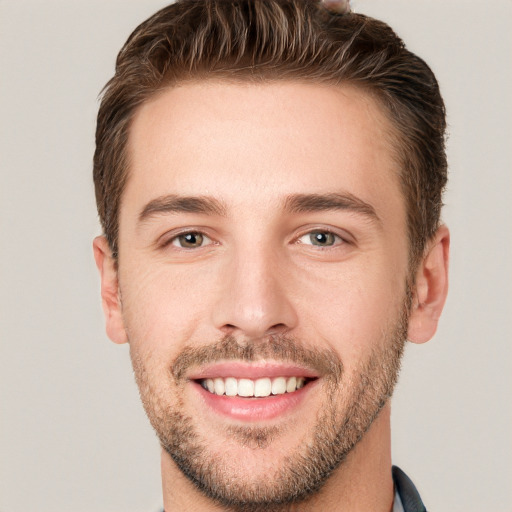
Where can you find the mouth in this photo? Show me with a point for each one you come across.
(253, 392)
(249, 388)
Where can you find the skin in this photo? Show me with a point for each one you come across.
(258, 273)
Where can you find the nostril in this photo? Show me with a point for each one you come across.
(229, 329)
(277, 329)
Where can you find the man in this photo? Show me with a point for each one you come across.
(269, 176)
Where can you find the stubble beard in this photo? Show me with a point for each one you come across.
(351, 407)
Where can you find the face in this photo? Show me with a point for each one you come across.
(262, 280)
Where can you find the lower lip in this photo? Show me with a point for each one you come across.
(254, 409)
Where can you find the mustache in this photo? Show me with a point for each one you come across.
(277, 347)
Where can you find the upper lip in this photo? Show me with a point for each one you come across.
(251, 370)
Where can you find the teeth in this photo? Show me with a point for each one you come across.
(291, 385)
(231, 386)
(218, 386)
(263, 387)
(279, 386)
(245, 387)
(250, 388)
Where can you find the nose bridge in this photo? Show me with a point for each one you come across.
(255, 299)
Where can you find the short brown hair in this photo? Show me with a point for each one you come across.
(265, 40)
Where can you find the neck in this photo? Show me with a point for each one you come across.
(363, 482)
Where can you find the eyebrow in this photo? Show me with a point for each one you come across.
(303, 203)
(296, 203)
(182, 204)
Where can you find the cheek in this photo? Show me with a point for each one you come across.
(347, 306)
(353, 308)
(162, 306)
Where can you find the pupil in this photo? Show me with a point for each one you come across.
(192, 239)
(320, 238)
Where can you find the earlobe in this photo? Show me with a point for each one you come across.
(430, 289)
(109, 290)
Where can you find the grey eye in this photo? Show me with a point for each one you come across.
(320, 239)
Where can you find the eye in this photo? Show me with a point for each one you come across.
(190, 240)
(320, 238)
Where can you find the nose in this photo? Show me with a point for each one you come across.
(255, 297)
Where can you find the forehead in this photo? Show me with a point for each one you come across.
(246, 142)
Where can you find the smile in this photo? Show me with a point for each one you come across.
(248, 388)
(253, 391)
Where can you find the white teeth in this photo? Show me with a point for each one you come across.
(250, 388)
(246, 387)
(218, 386)
(231, 386)
(263, 387)
(279, 386)
(291, 385)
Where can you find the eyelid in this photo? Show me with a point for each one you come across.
(344, 236)
(336, 242)
(169, 237)
(205, 240)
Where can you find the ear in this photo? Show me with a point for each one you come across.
(109, 290)
(430, 288)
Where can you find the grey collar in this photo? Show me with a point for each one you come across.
(408, 493)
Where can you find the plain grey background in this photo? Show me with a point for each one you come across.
(73, 436)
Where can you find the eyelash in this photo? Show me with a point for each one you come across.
(336, 242)
(174, 240)
(337, 239)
